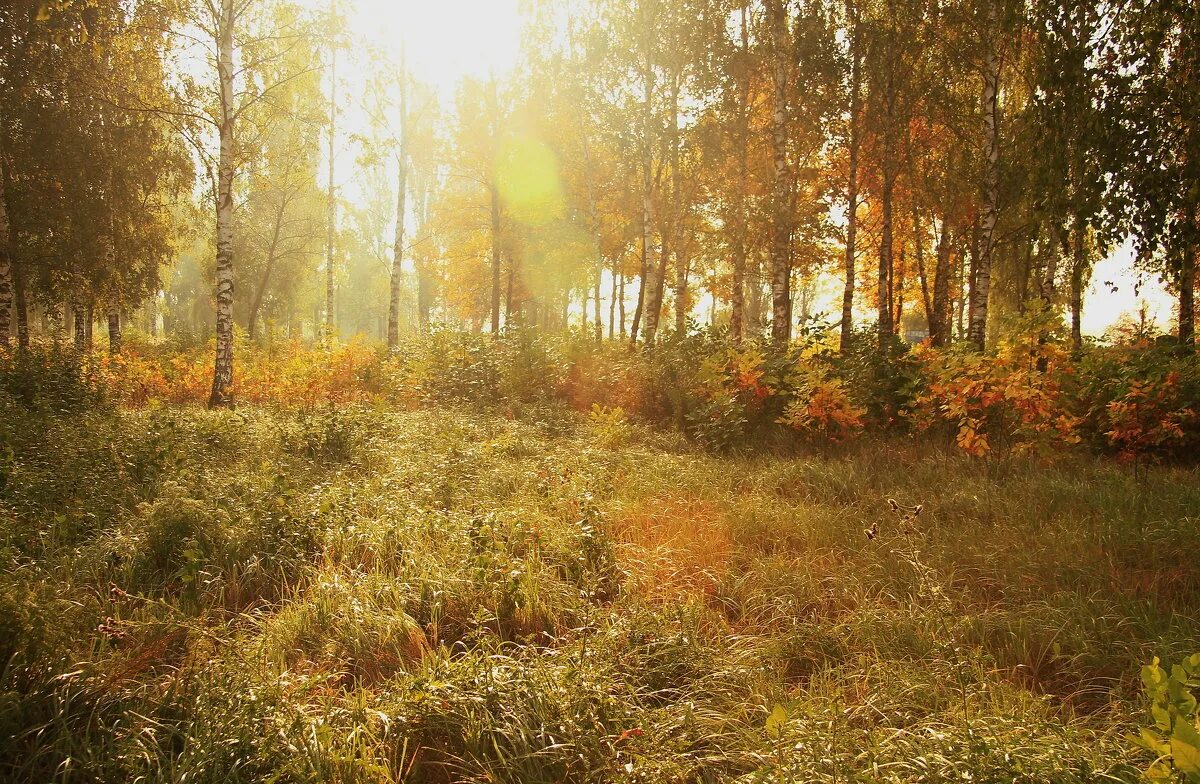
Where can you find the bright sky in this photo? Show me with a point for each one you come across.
(446, 40)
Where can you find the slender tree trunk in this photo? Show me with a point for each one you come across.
(754, 295)
(991, 187)
(897, 294)
(77, 316)
(393, 323)
(671, 234)
(331, 195)
(884, 310)
(495, 213)
(737, 298)
(919, 250)
(1078, 267)
(22, 308)
(152, 316)
(260, 291)
(259, 295)
(222, 388)
(621, 305)
(612, 305)
(852, 183)
(677, 230)
(509, 302)
(1187, 301)
(599, 328)
(682, 306)
(1046, 286)
(6, 267)
(594, 221)
(114, 331)
(781, 300)
(939, 324)
(645, 300)
(88, 325)
(888, 173)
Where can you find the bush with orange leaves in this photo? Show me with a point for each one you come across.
(291, 375)
(821, 410)
(1011, 403)
(747, 393)
(1141, 400)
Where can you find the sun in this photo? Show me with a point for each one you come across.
(444, 42)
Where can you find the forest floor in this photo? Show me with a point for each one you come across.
(365, 595)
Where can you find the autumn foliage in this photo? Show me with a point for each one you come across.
(1135, 401)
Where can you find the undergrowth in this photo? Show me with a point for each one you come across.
(360, 594)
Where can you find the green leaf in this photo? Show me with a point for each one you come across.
(776, 720)
(1153, 675)
(1185, 749)
(1151, 741)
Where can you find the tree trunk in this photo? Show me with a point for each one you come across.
(22, 308)
(852, 184)
(621, 305)
(599, 328)
(495, 214)
(682, 306)
(6, 270)
(260, 290)
(645, 300)
(919, 250)
(77, 316)
(114, 331)
(884, 282)
(88, 324)
(737, 298)
(991, 188)
(781, 300)
(393, 323)
(612, 306)
(1078, 267)
(330, 196)
(677, 230)
(222, 388)
(1187, 302)
(939, 324)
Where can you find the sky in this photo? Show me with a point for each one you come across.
(445, 40)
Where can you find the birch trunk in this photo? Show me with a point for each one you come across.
(781, 300)
(737, 298)
(977, 329)
(393, 323)
(852, 185)
(222, 388)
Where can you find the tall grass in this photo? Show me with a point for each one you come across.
(357, 594)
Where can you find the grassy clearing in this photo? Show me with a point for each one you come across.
(361, 595)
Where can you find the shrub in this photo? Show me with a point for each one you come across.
(996, 405)
(1140, 400)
